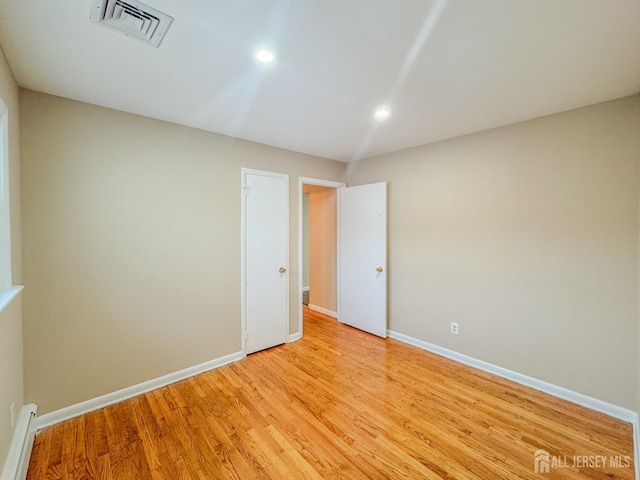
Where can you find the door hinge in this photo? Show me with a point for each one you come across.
(246, 191)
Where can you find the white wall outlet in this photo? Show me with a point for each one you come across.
(13, 414)
(454, 328)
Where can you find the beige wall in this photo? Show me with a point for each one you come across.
(132, 245)
(11, 387)
(11, 372)
(322, 247)
(527, 237)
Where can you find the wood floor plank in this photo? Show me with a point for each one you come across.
(338, 404)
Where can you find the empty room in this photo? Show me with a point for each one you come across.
(319, 239)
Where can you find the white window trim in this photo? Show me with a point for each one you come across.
(8, 291)
(5, 227)
(8, 294)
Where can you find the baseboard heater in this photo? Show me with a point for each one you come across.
(19, 454)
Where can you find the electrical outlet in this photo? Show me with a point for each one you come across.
(454, 328)
(13, 414)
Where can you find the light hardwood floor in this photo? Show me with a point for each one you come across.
(337, 404)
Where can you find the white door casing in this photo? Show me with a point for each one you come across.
(321, 183)
(265, 267)
(362, 253)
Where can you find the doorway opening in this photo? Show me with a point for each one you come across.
(318, 201)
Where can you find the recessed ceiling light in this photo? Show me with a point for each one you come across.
(265, 56)
(381, 113)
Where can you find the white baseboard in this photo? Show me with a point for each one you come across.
(294, 336)
(81, 408)
(326, 311)
(560, 392)
(19, 453)
(15, 468)
(581, 399)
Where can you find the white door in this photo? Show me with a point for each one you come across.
(266, 232)
(363, 257)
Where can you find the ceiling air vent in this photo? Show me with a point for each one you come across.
(134, 19)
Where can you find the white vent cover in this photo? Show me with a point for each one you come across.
(133, 18)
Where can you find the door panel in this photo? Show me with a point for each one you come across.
(266, 235)
(363, 257)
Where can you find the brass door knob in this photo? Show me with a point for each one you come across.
(379, 269)
(282, 270)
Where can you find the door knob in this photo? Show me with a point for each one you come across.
(282, 270)
(379, 269)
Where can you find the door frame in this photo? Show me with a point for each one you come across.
(243, 251)
(320, 183)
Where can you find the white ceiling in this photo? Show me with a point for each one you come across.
(444, 67)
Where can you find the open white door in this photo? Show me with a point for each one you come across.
(363, 257)
(266, 286)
